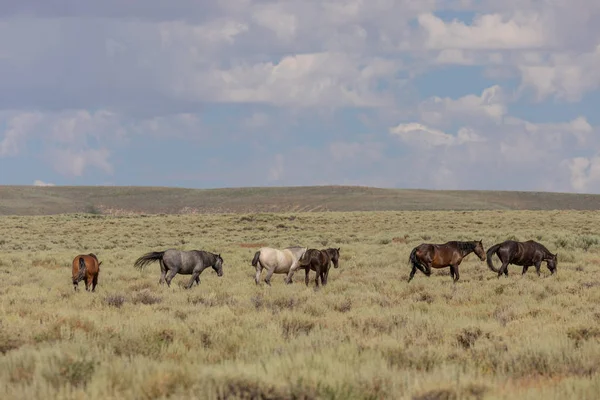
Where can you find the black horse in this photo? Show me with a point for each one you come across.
(319, 261)
(524, 254)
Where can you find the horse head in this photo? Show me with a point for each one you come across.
(552, 262)
(334, 254)
(479, 250)
(218, 265)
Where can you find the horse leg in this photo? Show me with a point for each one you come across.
(412, 273)
(198, 280)
(170, 276)
(306, 272)
(318, 275)
(268, 277)
(259, 269)
(427, 269)
(195, 276)
(456, 273)
(293, 268)
(452, 272)
(538, 265)
(163, 272)
(503, 269)
(525, 268)
(94, 282)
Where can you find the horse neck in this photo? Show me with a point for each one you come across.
(466, 248)
(330, 253)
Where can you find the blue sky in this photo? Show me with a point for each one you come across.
(442, 94)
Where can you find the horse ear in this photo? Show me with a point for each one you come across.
(100, 263)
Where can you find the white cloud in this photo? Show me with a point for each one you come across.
(73, 163)
(83, 88)
(490, 105)
(302, 80)
(585, 173)
(277, 170)
(18, 127)
(565, 75)
(423, 136)
(38, 182)
(489, 31)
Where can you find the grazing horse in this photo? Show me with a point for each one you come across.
(524, 254)
(86, 266)
(182, 262)
(277, 261)
(319, 261)
(450, 254)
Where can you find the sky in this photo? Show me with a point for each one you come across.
(431, 94)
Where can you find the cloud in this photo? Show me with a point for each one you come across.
(489, 31)
(563, 75)
(585, 173)
(18, 127)
(422, 136)
(490, 105)
(462, 94)
(38, 182)
(276, 172)
(301, 80)
(73, 163)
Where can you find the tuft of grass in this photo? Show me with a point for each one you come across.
(115, 300)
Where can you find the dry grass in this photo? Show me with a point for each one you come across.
(135, 201)
(367, 335)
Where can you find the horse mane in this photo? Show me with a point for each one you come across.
(466, 246)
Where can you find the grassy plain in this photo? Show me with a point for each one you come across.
(121, 200)
(367, 335)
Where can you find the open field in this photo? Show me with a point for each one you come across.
(367, 335)
(119, 200)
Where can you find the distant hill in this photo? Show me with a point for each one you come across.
(115, 200)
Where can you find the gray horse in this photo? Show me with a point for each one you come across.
(182, 262)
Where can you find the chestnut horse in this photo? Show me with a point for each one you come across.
(319, 261)
(450, 254)
(524, 254)
(86, 266)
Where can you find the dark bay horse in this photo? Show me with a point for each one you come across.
(191, 262)
(319, 261)
(86, 268)
(524, 254)
(450, 254)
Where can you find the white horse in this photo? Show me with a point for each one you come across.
(277, 261)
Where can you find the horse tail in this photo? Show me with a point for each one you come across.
(490, 252)
(255, 259)
(413, 258)
(81, 264)
(148, 258)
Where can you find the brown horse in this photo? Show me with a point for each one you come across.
(86, 266)
(319, 261)
(450, 254)
(524, 254)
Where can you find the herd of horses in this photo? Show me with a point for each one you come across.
(424, 257)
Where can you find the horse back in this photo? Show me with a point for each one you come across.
(91, 264)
